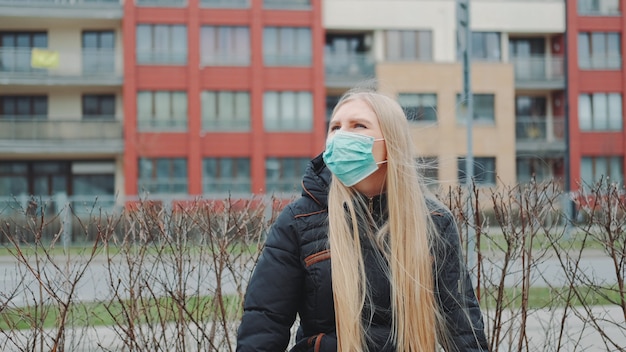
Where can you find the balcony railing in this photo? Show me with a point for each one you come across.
(230, 125)
(540, 68)
(229, 186)
(539, 129)
(599, 7)
(162, 186)
(600, 62)
(61, 3)
(79, 9)
(225, 60)
(235, 4)
(83, 65)
(287, 60)
(43, 129)
(159, 3)
(162, 57)
(162, 124)
(342, 69)
(287, 4)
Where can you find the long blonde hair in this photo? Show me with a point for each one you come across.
(406, 239)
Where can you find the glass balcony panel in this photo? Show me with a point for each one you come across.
(351, 68)
(39, 128)
(236, 186)
(287, 4)
(155, 57)
(539, 128)
(160, 3)
(538, 68)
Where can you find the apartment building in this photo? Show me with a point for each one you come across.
(61, 83)
(162, 97)
(596, 85)
(517, 79)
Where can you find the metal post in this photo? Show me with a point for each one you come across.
(464, 45)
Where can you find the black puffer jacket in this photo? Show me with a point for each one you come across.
(293, 276)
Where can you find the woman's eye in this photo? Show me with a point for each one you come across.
(360, 125)
(334, 128)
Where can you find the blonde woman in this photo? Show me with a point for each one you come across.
(398, 282)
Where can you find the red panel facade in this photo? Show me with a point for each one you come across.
(589, 81)
(195, 144)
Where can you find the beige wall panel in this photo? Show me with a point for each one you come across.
(446, 139)
(522, 16)
(437, 16)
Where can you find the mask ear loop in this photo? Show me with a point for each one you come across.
(384, 161)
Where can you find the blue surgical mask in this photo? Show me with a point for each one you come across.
(349, 156)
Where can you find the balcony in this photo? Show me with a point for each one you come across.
(346, 70)
(79, 9)
(37, 134)
(598, 8)
(87, 67)
(539, 72)
(540, 134)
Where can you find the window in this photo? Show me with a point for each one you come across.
(225, 111)
(162, 110)
(348, 56)
(419, 107)
(162, 175)
(226, 175)
(408, 45)
(99, 106)
(530, 117)
(486, 46)
(484, 170)
(161, 44)
(287, 46)
(428, 168)
(225, 46)
(595, 169)
(16, 47)
(23, 106)
(288, 111)
(484, 108)
(98, 51)
(598, 7)
(600, 112)
(14, 178)
(284, 174)
(286, 4)
(533, 167)
(599, 50)
(225, 3)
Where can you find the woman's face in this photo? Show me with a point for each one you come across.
(356, 116)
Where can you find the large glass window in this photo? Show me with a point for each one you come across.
(484, 108)
(99, 106)
(403, 45)
(288, 111)
(597, 168)
(13, 179)
(419, 107)
(161, 44)
(162, 175)
(226, 175)
(225, 111)
(600, 112)
(225, 46)
(598, 7)
(486, 46)
(98, 51)
(23, 106)
(284, 174)
(599, 50)
(484, 170)
(162, 110)
(287, 46)
(16, 47)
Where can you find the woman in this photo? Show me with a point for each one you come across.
(398, 282)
